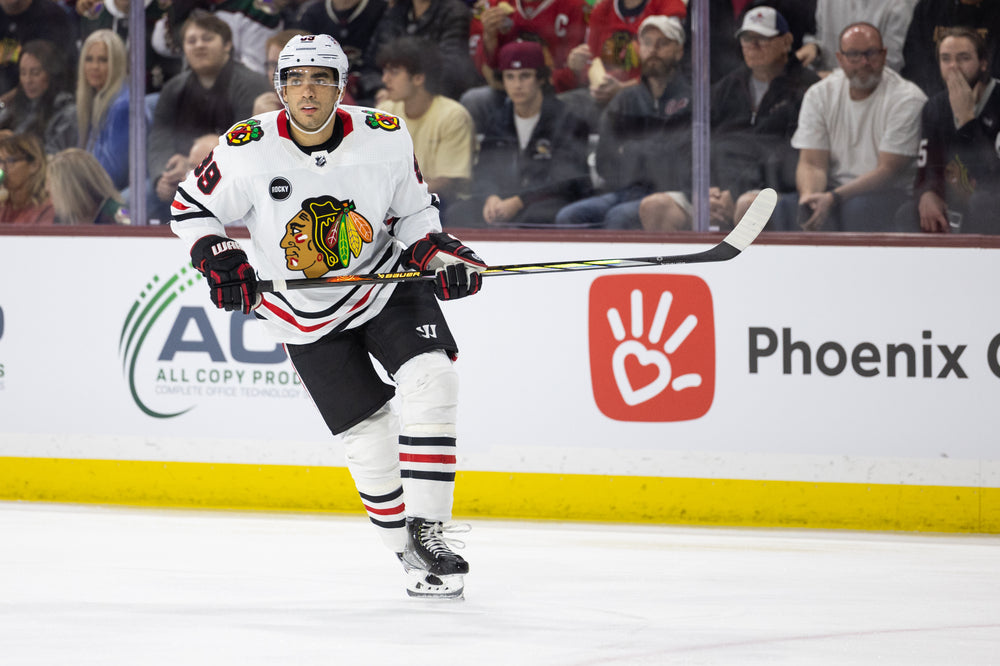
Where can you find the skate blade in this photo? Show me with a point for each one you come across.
(422, 585)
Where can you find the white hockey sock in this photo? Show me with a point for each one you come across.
(428, 388)
(371, 448)
(427, 466)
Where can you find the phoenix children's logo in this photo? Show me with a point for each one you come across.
(652, 347)
(245, 132)
(377, 120)
(324, 235)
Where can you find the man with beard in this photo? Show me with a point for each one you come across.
(958, 179)
(857, 136)
(644, 135)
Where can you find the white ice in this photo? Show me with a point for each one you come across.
(105, 585)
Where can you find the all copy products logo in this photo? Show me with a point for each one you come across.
(652, 347)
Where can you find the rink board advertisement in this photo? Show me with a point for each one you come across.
(791, 376)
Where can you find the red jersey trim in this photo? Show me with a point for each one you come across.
(345, 119)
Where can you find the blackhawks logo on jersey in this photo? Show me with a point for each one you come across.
(245, 132)
(324, 235)
(379, 120)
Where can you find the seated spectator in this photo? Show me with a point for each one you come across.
(857, 136)
(441, 22)
(612, 43)
(38, 102)
(101, 114)
(441, 128)
(727, 16)
(351, 22)
(558, 25)
(958, 179)
(113, 15)
(532, 159)
(645, 136)
(23, 199)
(250, 23)
(82, 191)
(890, 17)
(754, 115)
(210, 97)
(930, 19)
(23, 21)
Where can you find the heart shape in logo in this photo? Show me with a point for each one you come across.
(633, 396)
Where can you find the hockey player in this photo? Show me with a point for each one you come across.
(326, 189)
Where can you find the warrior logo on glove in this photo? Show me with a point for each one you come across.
(324, 236)
(231, 279)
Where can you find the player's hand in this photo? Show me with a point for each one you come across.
(457, 268)
(231, 279)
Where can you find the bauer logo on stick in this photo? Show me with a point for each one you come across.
(652, 347)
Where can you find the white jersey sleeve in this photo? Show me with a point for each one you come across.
(414, 218)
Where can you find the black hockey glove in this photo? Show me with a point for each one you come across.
(457, 267)
(231, 279)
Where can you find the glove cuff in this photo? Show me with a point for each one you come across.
(210, 247)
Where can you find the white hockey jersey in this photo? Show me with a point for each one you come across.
(329, 213)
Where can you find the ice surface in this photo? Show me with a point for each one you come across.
(106, 585)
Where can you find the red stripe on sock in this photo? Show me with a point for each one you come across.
(386, 512)
(427, 458)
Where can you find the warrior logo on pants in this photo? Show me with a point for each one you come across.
(324, 235)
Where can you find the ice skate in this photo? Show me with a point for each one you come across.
(433, 569)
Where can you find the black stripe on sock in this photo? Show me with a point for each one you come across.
(406, 440)
(388, 524)
(395, 494)
(427, 476)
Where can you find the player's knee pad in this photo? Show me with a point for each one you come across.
(428, 389)
(371, 451)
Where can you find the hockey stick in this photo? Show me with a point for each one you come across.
(749, 226)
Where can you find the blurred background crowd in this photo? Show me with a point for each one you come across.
(865, 115)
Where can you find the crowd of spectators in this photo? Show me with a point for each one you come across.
(865, 115)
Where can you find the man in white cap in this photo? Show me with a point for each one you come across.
(641, 125)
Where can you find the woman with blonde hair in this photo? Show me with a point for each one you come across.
(23, 199)
(102, 99)
(82, 191)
